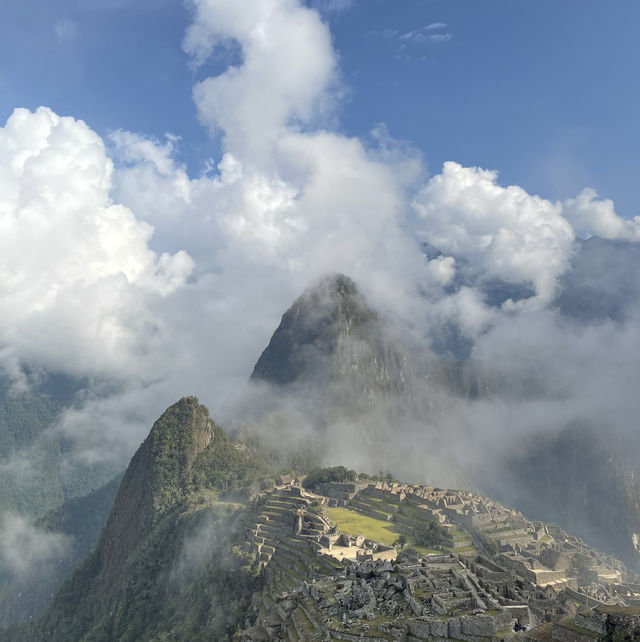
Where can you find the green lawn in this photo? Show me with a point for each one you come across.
(371, 498)
(353, 523)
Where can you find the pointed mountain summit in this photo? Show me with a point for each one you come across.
(159, 476)
(310, 330)
(330, 335)
(178, 500)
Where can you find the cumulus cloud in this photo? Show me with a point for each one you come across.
(253, 102)
(287, 202)
(287, 196)
(591, 216)
(502, 232)
(76, 270)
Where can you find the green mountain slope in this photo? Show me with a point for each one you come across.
(81, 521)
(166, 561)
(24, 416)
(33, 479)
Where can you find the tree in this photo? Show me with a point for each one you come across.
(401, 541)
(432, 534)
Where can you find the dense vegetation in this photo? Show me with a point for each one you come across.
(23, 418)
(168, 565)
(230, 469)
(187, 581)
(83, 517)
(32, 480)
(326, 475)
(432, 534)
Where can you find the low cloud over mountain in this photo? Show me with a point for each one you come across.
(120, 267)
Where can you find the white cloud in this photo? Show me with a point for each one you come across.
(442, 269)
(439, 37)
(410, 45)
(503, 232)
(252, 103)
(419, 36)
(592, 216)
(76, 271)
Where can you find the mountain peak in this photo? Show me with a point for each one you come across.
(158, 477)
(306, 339)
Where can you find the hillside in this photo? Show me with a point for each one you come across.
(168, 546)
(80, 521)
(200, 544)
(35, 471)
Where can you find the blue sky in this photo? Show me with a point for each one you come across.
(546, 92)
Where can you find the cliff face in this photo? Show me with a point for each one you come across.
(330, 337)
(304, 343)
(159, 476)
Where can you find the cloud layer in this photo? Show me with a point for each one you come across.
(76, 270)
(117, 264)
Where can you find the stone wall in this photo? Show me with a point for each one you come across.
(521, 613)
(565, 634)
(581, 596)
(591, 620)
(461, 628)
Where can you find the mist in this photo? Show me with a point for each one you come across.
(162, 284)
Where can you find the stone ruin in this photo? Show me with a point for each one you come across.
(313, 592)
